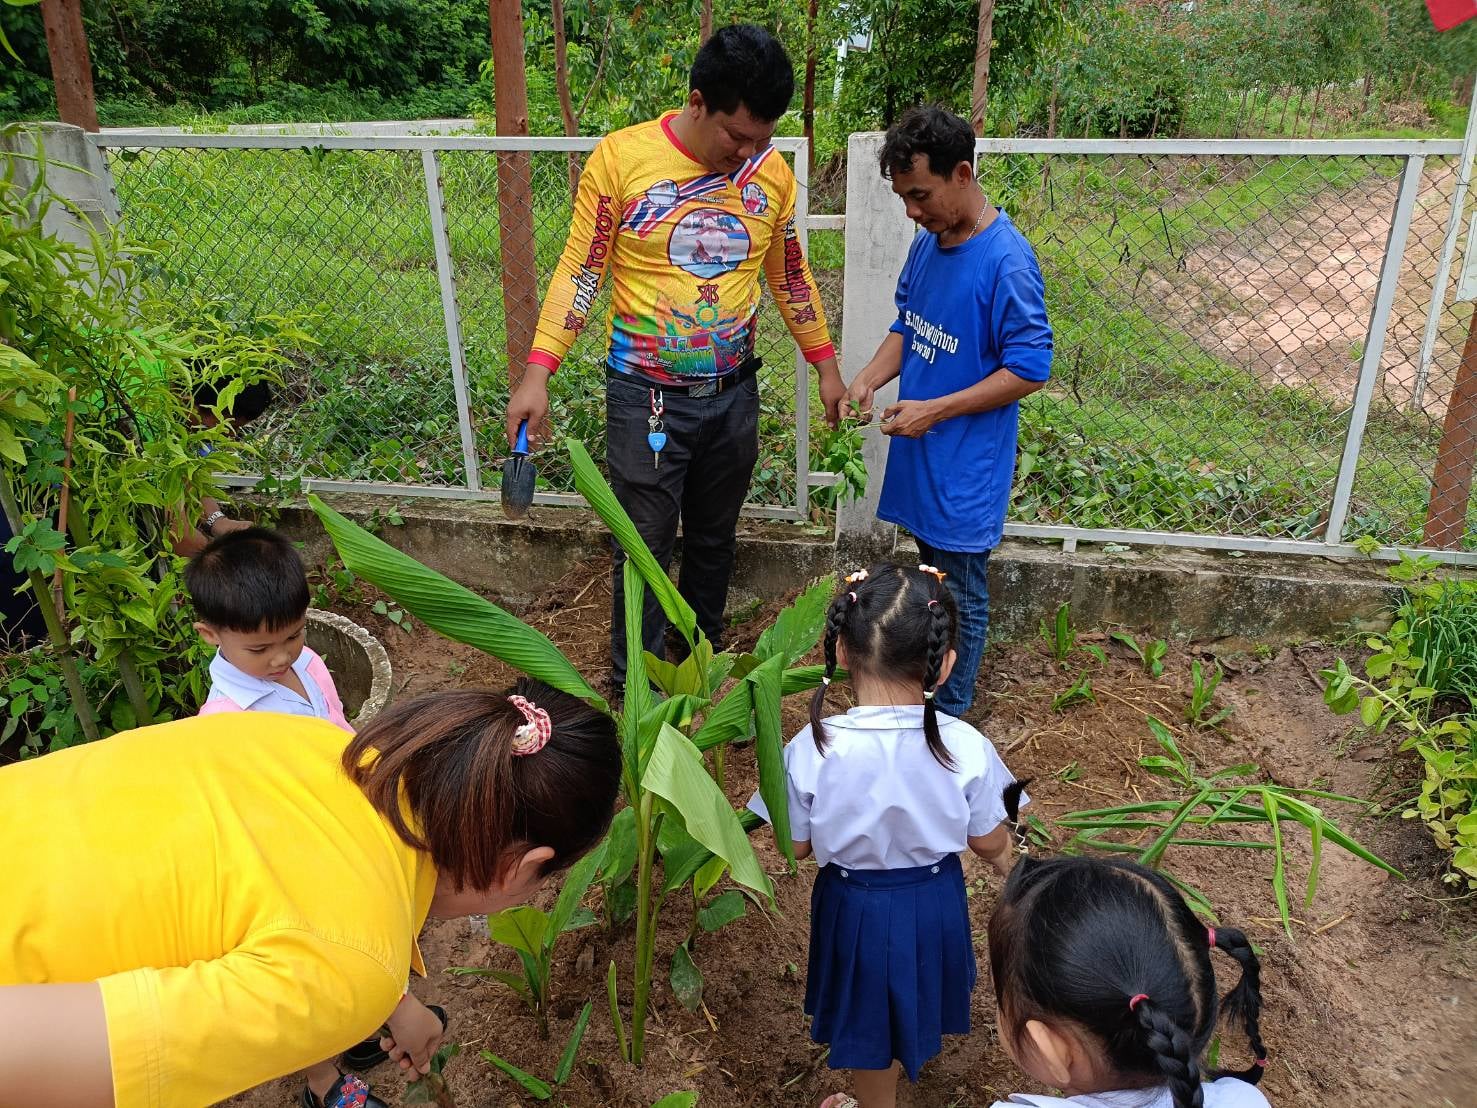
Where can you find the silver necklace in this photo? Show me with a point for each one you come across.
(977, 221)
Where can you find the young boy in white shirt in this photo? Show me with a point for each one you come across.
(250, 591)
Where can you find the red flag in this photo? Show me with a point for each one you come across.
(1446, 14)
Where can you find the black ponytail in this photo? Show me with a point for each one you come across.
(835, 621)
(1175, 1054)
(1243, 1003)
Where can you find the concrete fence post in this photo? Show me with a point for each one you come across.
(75, 172)
(877, 238)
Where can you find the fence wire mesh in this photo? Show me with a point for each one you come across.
(342, 240)
(1211, 314)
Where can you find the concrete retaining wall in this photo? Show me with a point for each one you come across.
(1175, 593)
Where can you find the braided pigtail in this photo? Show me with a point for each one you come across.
(1244, 1002)
(940, 627)
(1174, 1053)
(835, 621)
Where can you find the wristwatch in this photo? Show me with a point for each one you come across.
(208, 523)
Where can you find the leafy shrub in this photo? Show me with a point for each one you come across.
(1417, 667)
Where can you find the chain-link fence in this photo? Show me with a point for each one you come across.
(343, 235)
(1239, 326)
(1215, 315)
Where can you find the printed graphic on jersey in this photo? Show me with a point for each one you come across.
(645, 213)
(755, 200)
(708, 243)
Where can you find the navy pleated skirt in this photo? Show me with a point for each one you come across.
(891, 964)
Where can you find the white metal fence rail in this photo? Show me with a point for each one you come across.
(1244, 359)
(390, 246)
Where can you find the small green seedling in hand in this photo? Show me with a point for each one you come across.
(432, 1088)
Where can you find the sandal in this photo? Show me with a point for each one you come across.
(367, 1055)
(840, 1100)
(349, 1091)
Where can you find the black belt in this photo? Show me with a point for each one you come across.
(711, 386)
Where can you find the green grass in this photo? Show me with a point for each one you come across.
(1141, 427)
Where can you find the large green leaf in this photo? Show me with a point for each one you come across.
(598, 495)
(682, 855)
(522, 928)
(804, 678)
(452, 609)
(676, 774)
(620, 848)
(728, 721)
(769, 749)
(798, 628)
(576, 881)
(637, 705)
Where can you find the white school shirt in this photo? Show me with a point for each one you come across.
(1227, 1092)
(877, 799)
(257, 694)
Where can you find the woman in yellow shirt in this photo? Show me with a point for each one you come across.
(195, 908)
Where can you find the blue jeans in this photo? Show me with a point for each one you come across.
(968, 580)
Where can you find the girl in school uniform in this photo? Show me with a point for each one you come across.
(886, 797)
(1105, 989)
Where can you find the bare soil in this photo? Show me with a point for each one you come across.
(1371, 1004)
(1290, 298)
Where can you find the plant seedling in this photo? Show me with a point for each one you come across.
(532, 934)
(534, 1086)
(1217, 800)
(432, 1088)
(1202, 694)
(1080, 691)
(1061, 637)
(1150, 656)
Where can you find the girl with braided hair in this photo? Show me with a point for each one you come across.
(1105, 989)
(886, 797)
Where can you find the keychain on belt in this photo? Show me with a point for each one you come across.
(656, 438)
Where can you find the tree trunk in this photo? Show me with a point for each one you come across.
(1451, 488)
(1465, 96)
(705, 31)
(71, 66)
(566, 104)
(1313, 112)
(1051, 108)
(514, 187)
(1240, 114)
(807, 113)
(985, 34)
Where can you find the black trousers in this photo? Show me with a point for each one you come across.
(701, 482)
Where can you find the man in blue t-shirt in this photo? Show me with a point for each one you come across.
(971, 339)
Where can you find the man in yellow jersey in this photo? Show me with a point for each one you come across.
(687, 213)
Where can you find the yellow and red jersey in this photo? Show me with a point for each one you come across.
(686, 247)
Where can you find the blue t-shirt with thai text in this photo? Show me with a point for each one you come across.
(963, 312)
